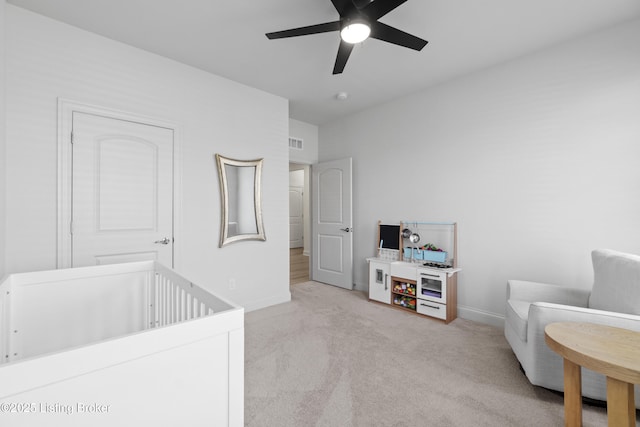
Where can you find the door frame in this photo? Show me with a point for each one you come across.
(306, 208)
(66, 108)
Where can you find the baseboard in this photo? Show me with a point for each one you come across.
(305, 253)
(481, 316)
(361, 287)
(267, 302)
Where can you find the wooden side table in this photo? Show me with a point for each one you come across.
(614, 352)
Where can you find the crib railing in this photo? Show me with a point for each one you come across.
(173, 299)
(146, 295)
(96, 324)
(5, 294)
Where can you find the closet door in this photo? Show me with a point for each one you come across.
(122, 191)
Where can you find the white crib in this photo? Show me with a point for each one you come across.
(126, 344)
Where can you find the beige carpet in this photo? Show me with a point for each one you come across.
(332, 358)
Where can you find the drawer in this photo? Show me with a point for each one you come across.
(404, 270)
(432, 285)
(433, 309)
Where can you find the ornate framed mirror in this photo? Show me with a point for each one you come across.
(240, 189)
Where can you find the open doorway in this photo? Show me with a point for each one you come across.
(299, 223)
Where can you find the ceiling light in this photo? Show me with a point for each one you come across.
(342, 96)
(355, 32)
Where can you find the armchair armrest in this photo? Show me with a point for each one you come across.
(541, 314)
(544, 366)
(544, 292)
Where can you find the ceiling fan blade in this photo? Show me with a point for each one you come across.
(303, 31)
(379, 8)
(361, 3)
(389, 34)
(344, 7)
(343, 55)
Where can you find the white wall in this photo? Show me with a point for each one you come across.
(47, 59)
(309, 133)
(2, 142)
(536, 159)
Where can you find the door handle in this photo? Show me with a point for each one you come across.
(347, 230)
(164, 241)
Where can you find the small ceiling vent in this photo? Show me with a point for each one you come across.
(295, 143)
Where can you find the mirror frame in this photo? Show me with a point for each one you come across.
(225, 239)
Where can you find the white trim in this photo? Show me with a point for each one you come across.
(267, 302)
(481, 316)
(66, 108)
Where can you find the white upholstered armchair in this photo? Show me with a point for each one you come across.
(614, 300)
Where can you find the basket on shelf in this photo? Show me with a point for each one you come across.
(434, 256)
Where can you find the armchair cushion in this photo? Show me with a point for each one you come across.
(616, 282)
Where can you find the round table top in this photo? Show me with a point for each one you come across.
(614, 352)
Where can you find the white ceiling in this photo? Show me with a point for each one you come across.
(227, 38)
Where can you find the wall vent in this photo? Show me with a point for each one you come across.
(296, 143)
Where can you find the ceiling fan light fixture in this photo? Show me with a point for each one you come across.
(355, 32)
(359, 20)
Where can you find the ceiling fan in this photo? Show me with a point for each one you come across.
(358, 21)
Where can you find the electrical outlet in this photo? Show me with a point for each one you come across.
(232, 283)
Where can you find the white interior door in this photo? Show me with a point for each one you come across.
(122, 191)
(332, 253)
(295, 218)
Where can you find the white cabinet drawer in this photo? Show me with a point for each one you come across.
(433, 309)
(403, 270)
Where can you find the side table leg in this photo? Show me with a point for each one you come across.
(572, 394)
(621, 407)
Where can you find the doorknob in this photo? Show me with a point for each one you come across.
(347, 230)
(164, 241)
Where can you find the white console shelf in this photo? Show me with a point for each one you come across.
(413, 286)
